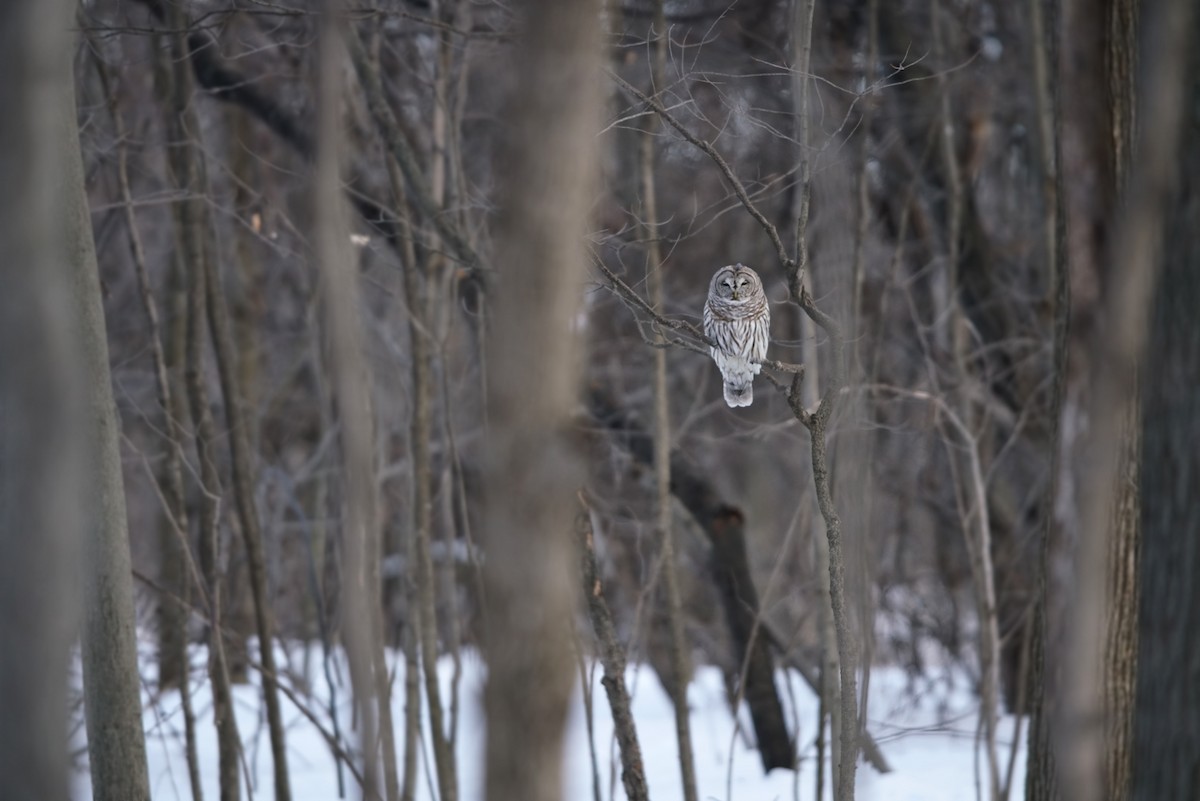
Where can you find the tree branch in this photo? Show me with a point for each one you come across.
(738, 188)
(637, 303)
(400, 148)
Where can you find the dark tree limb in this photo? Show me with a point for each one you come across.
(230, 86)
(731, 571)
(710, 511)
(633, 773)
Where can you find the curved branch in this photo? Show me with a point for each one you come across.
(738, 188)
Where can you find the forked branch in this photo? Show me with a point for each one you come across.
(738, 187)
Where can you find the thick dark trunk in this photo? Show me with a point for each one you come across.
(723, 526)
(1166, 729)
(709, 509)
(731, 572)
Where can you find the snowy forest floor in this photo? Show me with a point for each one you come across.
(926, 729)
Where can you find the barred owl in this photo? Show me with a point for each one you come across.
(737, 319)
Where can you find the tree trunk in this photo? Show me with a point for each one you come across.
(175, 580)
(533, 469)
(172, 612)
(247, 514)
(1166, 748)
(1122, 586)
(756, 667)
(713, 514)
(111, 682)
(1090, 674)
(189, 220)
(677, 650)
(221, 336)
(419, 279)
(633, 770)
(838, 640)
(1086, 649)
(1041, 771)
(41, 407)
(345, 355)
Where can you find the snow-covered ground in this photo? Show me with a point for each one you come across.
(929, 737)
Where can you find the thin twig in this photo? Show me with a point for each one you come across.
(738, 188)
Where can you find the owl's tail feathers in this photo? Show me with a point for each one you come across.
(739, 394)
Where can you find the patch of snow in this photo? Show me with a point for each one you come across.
(929, 739)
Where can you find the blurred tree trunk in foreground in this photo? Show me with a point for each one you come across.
(40, 408)
(1166, 750)
(1092, 143)
(1115, 201)
(533, 469)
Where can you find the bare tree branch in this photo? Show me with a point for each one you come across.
(738, 187)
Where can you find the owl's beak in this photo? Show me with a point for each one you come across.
(735, 295)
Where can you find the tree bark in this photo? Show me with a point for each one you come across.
(221, 335)
(345, 353)
(175, 579)
(709, 510)
(111, 682)
(844, 714)
(731, 570)
(247, 514)
(633, 771)
(1041, 769)
(533, 469)
(190, 223)
(419, 279)
(677, 651)
(1112, 247)
(41, 410)
(1166, 748)
(171, 614)
(1122, 585)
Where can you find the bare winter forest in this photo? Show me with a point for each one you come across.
(372, 331)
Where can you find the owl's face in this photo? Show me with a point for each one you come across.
(736, 283)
